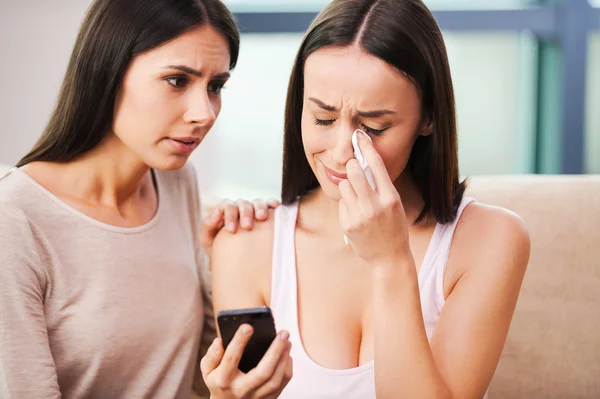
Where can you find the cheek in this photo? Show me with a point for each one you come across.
(314, 141)
(395, 157)
(139, 114)
(216, 105)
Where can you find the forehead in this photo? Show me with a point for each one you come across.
(351, 74)
(200, 47)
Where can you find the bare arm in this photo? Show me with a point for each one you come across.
(241, 274)
(241, 264)
(473, 326)
(474, 322)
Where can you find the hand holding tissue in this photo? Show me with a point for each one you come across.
(362, 161)
(373, 222)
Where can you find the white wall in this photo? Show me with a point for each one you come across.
(36, 37)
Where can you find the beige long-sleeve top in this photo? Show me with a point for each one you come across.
(89, 310)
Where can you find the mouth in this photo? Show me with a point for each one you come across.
(333, 176)
(186, 140)
(184, 145)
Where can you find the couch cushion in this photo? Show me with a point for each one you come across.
(553, 347)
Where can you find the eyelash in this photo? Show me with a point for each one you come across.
(220, 86)
(183, 80)
(328, 122)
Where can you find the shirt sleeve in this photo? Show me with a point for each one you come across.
(209, 331)
(27, 369)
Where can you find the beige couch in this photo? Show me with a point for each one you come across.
(553, 348)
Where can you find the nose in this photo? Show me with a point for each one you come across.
(200, 110)
(343, 151)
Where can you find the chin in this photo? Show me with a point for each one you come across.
(330, 190)
(168, 164)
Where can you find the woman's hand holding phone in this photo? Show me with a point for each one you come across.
(266, 381)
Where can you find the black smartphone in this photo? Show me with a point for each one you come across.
(264, 333)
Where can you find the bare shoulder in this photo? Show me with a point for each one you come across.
(241, 264)
(489, 236)
(497, 221)
(258, 241)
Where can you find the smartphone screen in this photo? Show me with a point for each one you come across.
(264, 333)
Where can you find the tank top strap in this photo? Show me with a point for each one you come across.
(283, 278)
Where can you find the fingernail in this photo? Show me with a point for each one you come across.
(284, 336)
(246, 222)
(246, 330)
(215, 216)
(231, 227)
(261, 213)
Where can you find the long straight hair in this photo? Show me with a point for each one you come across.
(404, 34)
(112, 34)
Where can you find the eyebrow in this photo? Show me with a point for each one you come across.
(364, 114)
(191, 71)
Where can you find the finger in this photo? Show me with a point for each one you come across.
(358, 180)
(343, 210)
(212, 359)
(376, 164)
(289, 370)
(235, 349)
(231, 216)
(278, 381)
(262, 373)
(261, 209)
(246, 212)
(211, 225)
(348, 194)
(273, 203)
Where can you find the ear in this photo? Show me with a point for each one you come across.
(426, 128)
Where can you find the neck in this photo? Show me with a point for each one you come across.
(109, 174)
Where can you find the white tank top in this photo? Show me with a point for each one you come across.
(311, 380)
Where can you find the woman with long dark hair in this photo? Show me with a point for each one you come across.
(418, 302)
(103, 284)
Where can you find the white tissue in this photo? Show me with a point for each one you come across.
(362, 161)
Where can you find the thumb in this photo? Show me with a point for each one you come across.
(211, 225)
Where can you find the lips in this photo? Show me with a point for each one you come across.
(335, 177)
(184, 145)
(185, 141)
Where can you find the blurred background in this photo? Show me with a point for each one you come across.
(526, 76)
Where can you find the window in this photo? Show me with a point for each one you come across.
(592, 144)
(494, 88)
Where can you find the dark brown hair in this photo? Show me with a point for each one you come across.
(112, 34)
(404, 34)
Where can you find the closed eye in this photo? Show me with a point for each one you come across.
(374, 132)
(324, 122)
